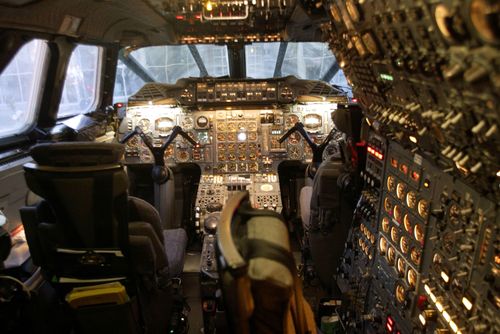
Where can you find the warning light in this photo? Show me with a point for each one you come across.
(445, 277)
(119, 105)
(354, 100)
(209, 6)
(180, 17)
(413, 139)
(197, 16)
(467, 303)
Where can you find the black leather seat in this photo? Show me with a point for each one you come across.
(85, 207)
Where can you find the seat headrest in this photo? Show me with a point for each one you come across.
(77, 153)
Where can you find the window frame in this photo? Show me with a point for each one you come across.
(98, 85)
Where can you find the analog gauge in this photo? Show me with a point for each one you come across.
(370, 43)
(252, 147)
(423, 208)
(448, 241)
(221, 167)
(221, 126)
(415, 255)
(294, 138)
(382, 246)
(182, 155)
(231, 157)
(251, 126)
(411, 278)
(391, 183)
(407, 223)
(242, 126)
(411, 199)
(388, 205)
(443, 17)
(353, 10)
(231, 127)
(231, 146)
(231, 136)
(164, 125)
(202, 122)
(401, 191)
(221, 137)
(385, 224)
(372, 238)
(252, 136)
(313, 122)
(419, 234)
(242, 167)
(334, 10)
(133, 142)
(400, 293)
(231, 167)
(252, 156)
(437, 262)
(391, 255)
(404, 245)
(291, 120)
(253, 167)
(144, 124)
(403, 168)
(221, 147)
(484, 15)
(187, 123)
(242, 146)
(145, 155)
(398, 213)
(242, 156)
(394, 234)
(221, 156)
(294, 152)
(400, 266)
(331, 151)
(169, 152)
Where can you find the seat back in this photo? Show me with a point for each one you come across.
(261, 289)
(80, 234)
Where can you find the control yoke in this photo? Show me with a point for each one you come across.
(316, 149)
(159, 173)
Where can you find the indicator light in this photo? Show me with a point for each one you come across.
(445, 277)
(453, 326)
(467, 303)
(413, 139)
(180, 17)
(433, 297)
(209, 6)
(427, 289)
(439, 306)
(446, 316)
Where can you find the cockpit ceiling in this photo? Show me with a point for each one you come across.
(155, 22)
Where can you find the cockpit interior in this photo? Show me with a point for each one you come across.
(256, 166)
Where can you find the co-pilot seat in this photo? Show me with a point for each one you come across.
(261, 289)
(85, 207)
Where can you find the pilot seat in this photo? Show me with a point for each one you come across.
(86, 231)
(261, 289)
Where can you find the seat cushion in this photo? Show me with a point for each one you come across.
(175, 241)
(305, 205)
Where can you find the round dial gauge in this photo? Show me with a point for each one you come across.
(404, 245)
(187, 123)
(232, 127)
(400, 293)
(231, 136)
(423, 208)
(182, 155)
(221, 156)
(411, 278)
(394, 234)
(202, 122)
(253, 167)
(294, 152)
(385, 224)
(291, 120)
(400, 266)
(252, 136)
(231, 157)
(144, 124)
(169, 152)
(294, 138)
(313, 122)
(221, 126)
(221, 147)
(242, 156)
(411, 199)
(391, 183)
(401, 191)
(231, 167)
(331, 150)
(388, 205)
(415, 255)
(242, 146)
(391, 255)
(164, 124)
(382, 246)
(221, 137)
(221, 167)
(252, 156)
(398, 213)
(419, 233)
(407, 223)
(251, 126)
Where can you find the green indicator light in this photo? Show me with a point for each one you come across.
(386, 77)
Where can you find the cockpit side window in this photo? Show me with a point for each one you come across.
(81, 86)
(20, 88)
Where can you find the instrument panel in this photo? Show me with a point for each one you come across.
(232, 140)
